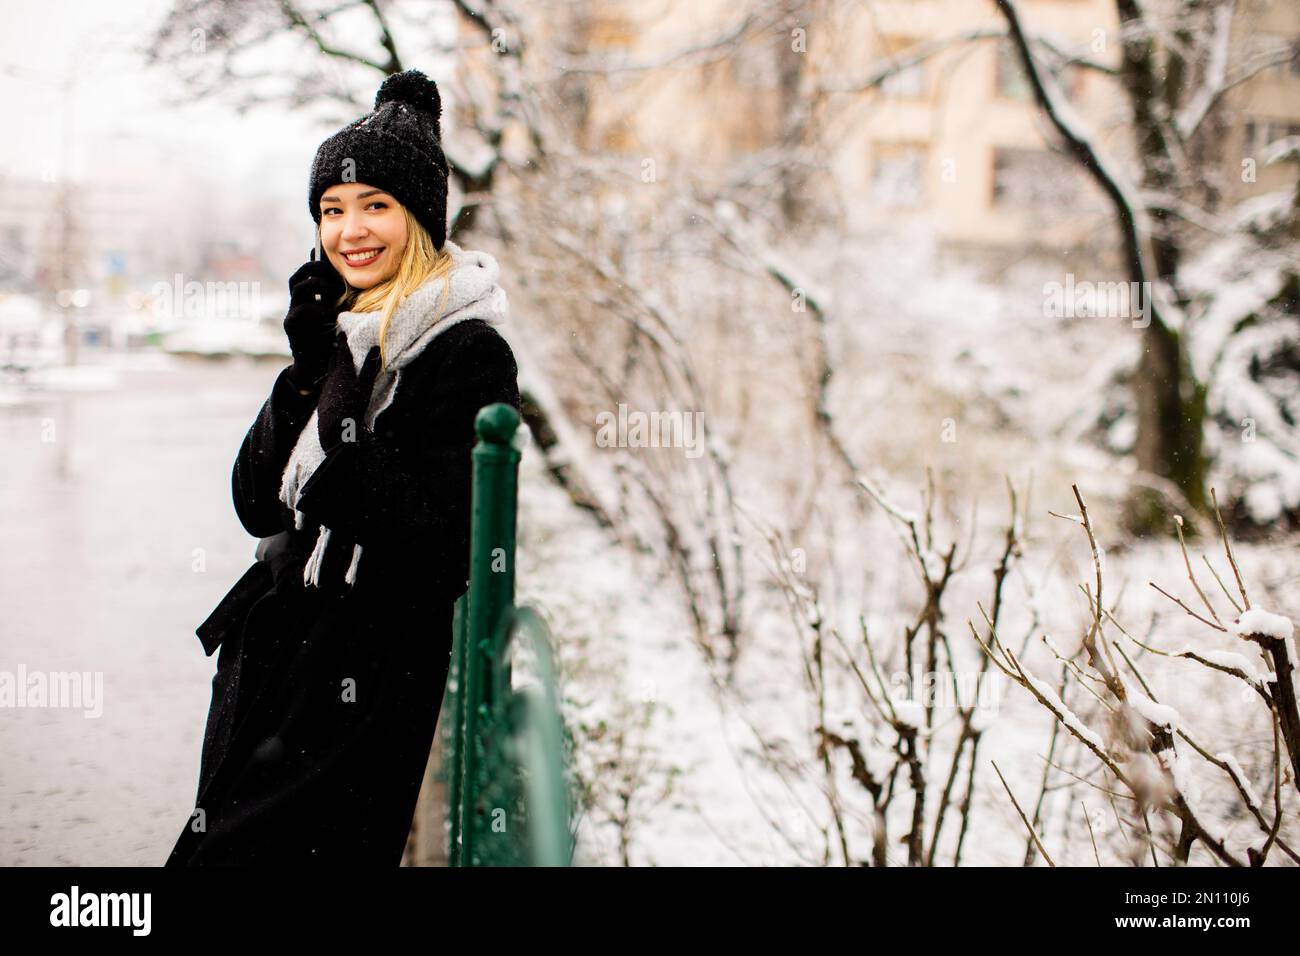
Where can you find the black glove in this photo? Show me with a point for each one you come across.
(345, 396)
(310, 322)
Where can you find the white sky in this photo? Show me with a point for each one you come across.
(70, 74)
(114, 105)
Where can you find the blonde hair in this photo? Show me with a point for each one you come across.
(420, 262)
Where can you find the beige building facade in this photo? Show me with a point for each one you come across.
(952, 135)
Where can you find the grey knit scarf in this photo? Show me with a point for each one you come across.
(474, 294)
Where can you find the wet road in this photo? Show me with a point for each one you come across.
(118, 537)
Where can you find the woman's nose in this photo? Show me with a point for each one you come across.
(354, 228)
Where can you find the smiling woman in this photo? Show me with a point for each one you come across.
(356, 474)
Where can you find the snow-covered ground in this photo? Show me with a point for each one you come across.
(933, 368)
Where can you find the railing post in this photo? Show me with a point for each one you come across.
(455, 739)
(491, 590)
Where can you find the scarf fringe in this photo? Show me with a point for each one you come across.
(351, 576)
(311, 570)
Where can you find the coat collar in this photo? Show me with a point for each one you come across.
(474, 294)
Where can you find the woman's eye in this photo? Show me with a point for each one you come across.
(373, 202)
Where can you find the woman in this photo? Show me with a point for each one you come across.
(335, 644)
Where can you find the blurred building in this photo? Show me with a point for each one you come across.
(951, 133)
(119, 229)
(141, 214)
(1267, 108)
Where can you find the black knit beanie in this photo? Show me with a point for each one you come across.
(397, 148)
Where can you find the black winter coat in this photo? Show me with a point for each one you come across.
(325, 700)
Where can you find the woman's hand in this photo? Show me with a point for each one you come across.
(310, 322)
(345, 396)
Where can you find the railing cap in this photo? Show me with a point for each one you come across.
(497, 423)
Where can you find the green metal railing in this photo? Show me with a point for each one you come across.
(506, 749)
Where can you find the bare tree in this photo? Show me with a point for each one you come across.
(1138, 748)
(1174, 83)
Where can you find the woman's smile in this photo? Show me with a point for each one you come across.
(360, 258)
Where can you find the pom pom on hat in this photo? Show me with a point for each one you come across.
(415, 88)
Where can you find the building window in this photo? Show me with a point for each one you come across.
(1035, 178)
(1262, 132)
(1272, 44)
(1012, 83)
(908, 82)
(617, 136)
(898, 174)
(610, 30)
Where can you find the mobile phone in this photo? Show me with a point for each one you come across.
(319, 255)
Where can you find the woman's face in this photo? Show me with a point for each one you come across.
(363, 233)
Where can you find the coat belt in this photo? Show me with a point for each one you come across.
(260, 578)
